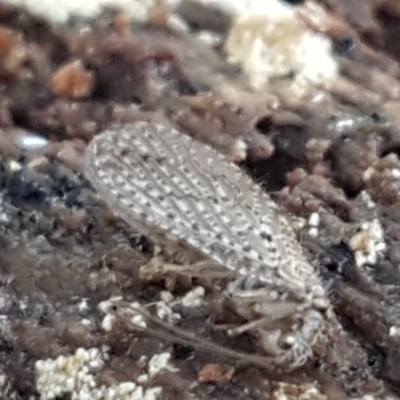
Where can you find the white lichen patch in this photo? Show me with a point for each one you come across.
(160, 362)
(64, 10)
(14, 166)
(84, 306)
(367, 200)
(368, 243)
(165, 307)
(304, 391)
(394, 331)
(30, 141)
(61, 11)
(395, 173)
(76, 376)
(115, 308)
(272, 44)
(373, 397)
(157, 364)
(73, 374)
(165, 312)
(313, 223)
(195, 298)
(210, 39)
(314, 220)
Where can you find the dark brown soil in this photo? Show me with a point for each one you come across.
(60, 246)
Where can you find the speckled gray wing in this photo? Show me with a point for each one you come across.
(157, 178)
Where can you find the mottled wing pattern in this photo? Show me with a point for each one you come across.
(155, 177)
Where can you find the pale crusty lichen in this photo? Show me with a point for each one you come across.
(272, 44)
(75, 375)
